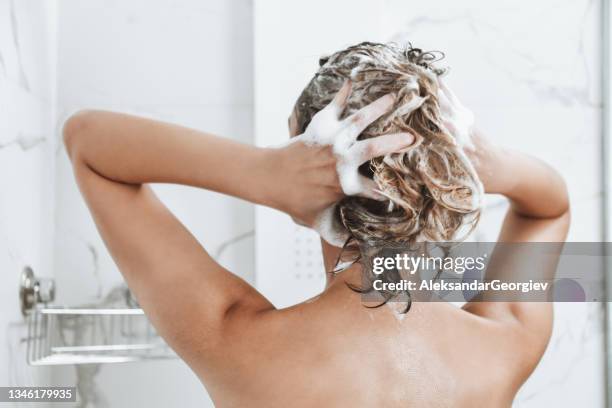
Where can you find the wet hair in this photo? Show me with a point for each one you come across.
(433, 192)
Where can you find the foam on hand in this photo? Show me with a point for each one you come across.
(459, 122)
(327, 129)
(412, 105)
(328, 227)
(458, 119)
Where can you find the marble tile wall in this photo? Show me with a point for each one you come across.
(27, 78)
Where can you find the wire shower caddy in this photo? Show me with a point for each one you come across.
(113, 331)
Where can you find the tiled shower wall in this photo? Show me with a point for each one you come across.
(27, 144)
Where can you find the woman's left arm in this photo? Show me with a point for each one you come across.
(187, 295)
(191, 299)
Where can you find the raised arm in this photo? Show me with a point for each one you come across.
(192, 300)
(186, 294)
(539, 212)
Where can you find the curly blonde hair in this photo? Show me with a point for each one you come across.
(432, 188)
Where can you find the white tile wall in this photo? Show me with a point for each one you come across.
(27, 31)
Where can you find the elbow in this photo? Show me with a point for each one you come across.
(566, 213)
(563, 213)
(75, 131)
(557, 206)
(565, 201)
(566, 217)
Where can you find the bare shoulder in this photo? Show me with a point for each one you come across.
(306, 345)
(514, 337)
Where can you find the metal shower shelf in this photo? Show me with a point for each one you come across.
(111, 332)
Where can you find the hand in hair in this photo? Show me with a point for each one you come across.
(484, 155)
(321, 165)
(499, 169)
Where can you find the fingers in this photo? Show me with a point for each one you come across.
(338, 104)
(445, 105)
(449, 93)
(354, 184)
(351, 181)
(325, 124)
(369, 189)
(447, 108)
(450, 126)
(361, 119)
(380, 146)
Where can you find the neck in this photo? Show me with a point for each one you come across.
(330, 257)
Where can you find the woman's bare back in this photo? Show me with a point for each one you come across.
(333, 351)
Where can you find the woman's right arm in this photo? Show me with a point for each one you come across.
(539, 212)
(535, 190)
